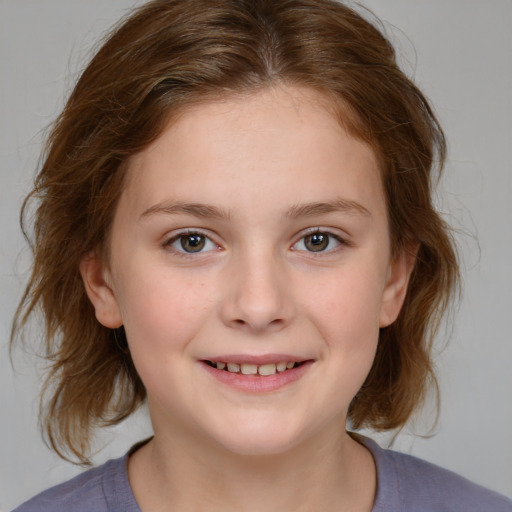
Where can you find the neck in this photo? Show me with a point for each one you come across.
(328, 473)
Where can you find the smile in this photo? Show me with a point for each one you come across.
(257, 374)
(264, 370)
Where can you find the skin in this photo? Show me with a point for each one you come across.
(258, 162)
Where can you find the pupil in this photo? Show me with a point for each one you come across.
(317, 242)
(192, 243)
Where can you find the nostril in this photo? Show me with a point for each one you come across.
(276, 323)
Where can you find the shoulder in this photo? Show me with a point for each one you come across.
(423, 482)
(411, 484)
(101, 489)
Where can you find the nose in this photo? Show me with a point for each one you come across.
(257, 296)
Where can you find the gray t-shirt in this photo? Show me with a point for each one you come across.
(404, 484)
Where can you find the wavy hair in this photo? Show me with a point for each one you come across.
(164, 57)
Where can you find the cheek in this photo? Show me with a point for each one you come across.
(347, 304)
(162, 311)
(162, 317)
(345, 313)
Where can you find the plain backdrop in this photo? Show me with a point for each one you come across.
(460, 53)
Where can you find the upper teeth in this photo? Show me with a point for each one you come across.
(253, 369)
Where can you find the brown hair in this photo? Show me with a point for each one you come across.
(167, 55)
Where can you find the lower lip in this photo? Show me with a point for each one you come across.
(257, 383)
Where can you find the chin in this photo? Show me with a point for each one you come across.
(260, 439)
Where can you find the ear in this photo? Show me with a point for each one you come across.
(399, 273)
(97, 281)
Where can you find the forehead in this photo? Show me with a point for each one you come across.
(281, 138)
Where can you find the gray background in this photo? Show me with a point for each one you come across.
(459, 51)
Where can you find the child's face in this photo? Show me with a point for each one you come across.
(253, 230)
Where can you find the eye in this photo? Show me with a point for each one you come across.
(191, 242)
(318, 241)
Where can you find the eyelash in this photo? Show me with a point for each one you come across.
(321, 231)
(168, 244)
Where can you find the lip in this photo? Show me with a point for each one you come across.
(256, 383)
(256, 359)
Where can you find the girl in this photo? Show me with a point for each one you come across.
(235, 225)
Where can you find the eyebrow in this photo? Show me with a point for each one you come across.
(200, 210)
(321, 208)
(206, 211)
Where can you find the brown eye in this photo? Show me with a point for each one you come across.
(193, 242)
(316, 242)
(319, 242)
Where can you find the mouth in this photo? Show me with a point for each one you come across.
(262, 370)
(257, 374)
